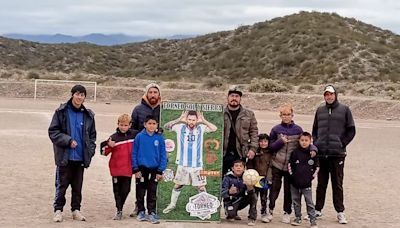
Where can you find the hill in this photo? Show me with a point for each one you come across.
(308, 47)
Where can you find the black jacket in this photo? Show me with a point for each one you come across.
(302, 168)
(140, 112)
(333, 129)
(59, 133)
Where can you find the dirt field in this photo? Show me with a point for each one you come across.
(27, 172)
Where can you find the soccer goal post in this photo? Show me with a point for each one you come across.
(59, 88)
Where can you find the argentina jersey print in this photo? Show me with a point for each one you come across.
(190, 145)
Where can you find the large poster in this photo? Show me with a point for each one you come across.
(192, 182)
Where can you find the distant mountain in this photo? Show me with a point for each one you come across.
(94, 38)
(308, 47)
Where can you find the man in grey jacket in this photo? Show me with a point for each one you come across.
(240, 131)
(73, 133)
(333, 130)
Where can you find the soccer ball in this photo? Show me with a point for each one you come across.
(250, 177)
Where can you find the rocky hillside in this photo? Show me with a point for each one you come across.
(304, 47)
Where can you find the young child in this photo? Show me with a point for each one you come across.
(236, 195)
(284, 138)
(261, 163)
(149, 160)
(119, 145)
(303, 169)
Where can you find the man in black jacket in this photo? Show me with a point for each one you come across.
(333, 130)
(73, 133)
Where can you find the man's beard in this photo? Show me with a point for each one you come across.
(152, 100)
(234, 104)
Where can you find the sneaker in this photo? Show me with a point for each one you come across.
(77, 215)
(58, 216)
(168, 209)
(296, 221)
(286, 218)
(264, 218)
(141, 216)
(270, 215)
(314, 225)
(153, 218)
(251, 222)
(134, 212)
(118, 215)
(318, 215)
(342, 218)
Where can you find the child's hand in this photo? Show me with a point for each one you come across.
(110, 143)
(73, 144)
(284, 138)
(138, 175)
(313, 153)
(232, 190)
(159, 177)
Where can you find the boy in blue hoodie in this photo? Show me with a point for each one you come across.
(149, 160)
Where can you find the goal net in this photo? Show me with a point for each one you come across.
(45, 88)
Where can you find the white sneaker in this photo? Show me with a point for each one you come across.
(77, 215)
(342, 218)
(264, 218)
(58, 216)
(168, 209)
(286, 218)
(270, 215)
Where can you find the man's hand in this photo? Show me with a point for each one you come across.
(110, 143)
(183, 116)
(232, 190)
(313, 153)
(73, 144)
(200, 117)
(251, 154)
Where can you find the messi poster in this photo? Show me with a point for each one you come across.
(191, 187)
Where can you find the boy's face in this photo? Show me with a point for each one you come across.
(124, 126)
(238, 168)
(286, 116)
(191, 121)
(304, 141)
(263, 143)
(77, 99)
(151, 125)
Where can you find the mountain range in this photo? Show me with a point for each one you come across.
(307, 47)
(94, 38)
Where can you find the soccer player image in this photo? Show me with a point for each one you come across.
(190, 128)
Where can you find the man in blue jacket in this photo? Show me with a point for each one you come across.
(73, 133)
(333, 130)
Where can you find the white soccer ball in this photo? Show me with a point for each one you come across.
(250, 177)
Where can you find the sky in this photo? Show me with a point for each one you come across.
(175, 17)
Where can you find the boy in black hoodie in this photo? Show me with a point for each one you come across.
(303, 169)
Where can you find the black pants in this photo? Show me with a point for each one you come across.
(263, 193)
(71, 174)
(277, 176)
(233, 206)
(146, 183)
(334, 167)
(121, 189)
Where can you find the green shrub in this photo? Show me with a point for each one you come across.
(32, 75)
(267, 85)
(306, 88)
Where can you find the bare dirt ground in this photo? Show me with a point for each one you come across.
(27, 171)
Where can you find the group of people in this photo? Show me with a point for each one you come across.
(137, 148)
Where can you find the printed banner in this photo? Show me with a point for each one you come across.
(191, 189)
